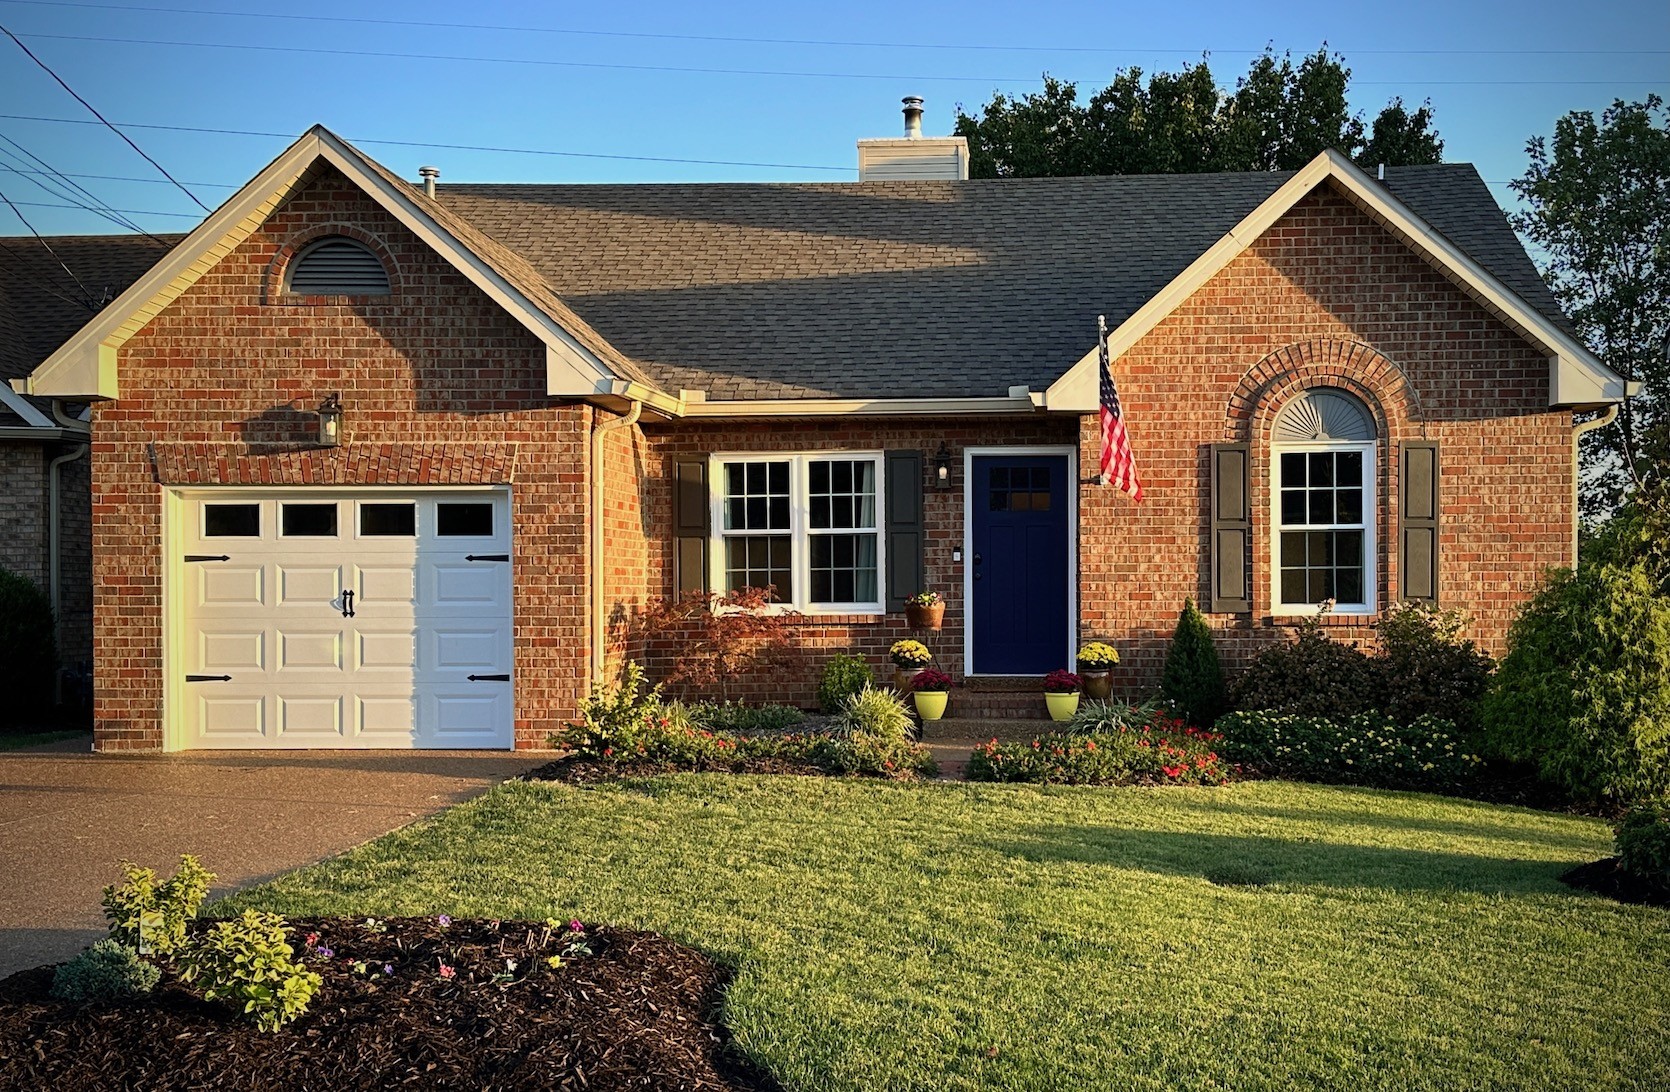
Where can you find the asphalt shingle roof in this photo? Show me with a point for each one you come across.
(901, 289)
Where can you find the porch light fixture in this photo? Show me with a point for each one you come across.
(330, 420)
(942, 466)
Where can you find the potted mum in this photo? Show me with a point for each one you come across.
(925, 610)
(1096, 662)
(909, 657)
(931, 690)
(1061, 694)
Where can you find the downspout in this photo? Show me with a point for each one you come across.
(1606, 418)
(599, 433)
(54, 524)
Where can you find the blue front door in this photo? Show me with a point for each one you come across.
(1019, 563)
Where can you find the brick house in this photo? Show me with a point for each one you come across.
(559, 402)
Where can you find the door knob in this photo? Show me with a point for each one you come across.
(977, 559)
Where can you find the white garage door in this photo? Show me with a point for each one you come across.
(339, 618)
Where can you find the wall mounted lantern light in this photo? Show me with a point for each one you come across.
(330, 421)
(942, 466)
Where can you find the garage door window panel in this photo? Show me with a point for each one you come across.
(382, 520)
(231, 521)
(470, 519)
(307, 520)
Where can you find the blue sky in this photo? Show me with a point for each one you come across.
(616, 79)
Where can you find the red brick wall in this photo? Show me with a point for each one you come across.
(436, 380)
(1327, 297)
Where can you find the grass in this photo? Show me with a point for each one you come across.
(36, 739)
(955, 936)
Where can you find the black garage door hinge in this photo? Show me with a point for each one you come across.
(486, 557)
(208, 678)
(208, 557)
(488, 678)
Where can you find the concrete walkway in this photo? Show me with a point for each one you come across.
(68, 817)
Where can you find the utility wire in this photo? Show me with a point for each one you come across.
(116, 177)
(29, 283)
(735, 40)
(545, 62)
(453, 147)
(71, 187)
(90, 109)
(87, 296)
(129, 212)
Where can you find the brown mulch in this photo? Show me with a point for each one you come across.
(581, 771)
(639, 1012)
(1607, 877)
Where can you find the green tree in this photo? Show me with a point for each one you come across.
(1278, 117)
(1193, 679)
(1597, 207)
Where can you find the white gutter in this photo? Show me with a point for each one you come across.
(862, 407)
(599, 618)
(1609, 415)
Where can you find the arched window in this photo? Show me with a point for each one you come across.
(336, 266)
(1324, 504)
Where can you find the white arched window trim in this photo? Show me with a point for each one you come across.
(1314, 496)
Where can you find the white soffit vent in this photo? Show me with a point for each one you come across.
(336, 266)
(1325, 415)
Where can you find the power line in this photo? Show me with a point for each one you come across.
(545, 62)
(116, 177)
(71, 188)
(86, 295)
(27, 282)
(834, 43)
(453, 147)
(90, 109)
(130, 212)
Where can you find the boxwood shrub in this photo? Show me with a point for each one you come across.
(1644, 843)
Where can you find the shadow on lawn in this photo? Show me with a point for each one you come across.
(1279, 861)
(1576, 843)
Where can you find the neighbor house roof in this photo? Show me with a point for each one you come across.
(904, 289)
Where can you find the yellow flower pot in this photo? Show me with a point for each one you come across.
(1062, 706)
(930, 704)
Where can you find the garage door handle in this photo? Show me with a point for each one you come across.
(347, 604)
(488, 678)
(208, 678)
(486, 557)
(208, 557)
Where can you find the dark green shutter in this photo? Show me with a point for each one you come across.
(906, 540)
(1418, 521)
(1231, 530)
(690, 523)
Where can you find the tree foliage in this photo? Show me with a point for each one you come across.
(1279, 116)
(1597, 197)
(1193, 679)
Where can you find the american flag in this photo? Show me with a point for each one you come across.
(1119, 465)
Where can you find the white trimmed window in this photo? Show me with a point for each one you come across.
(806, 525)
(1324, 504)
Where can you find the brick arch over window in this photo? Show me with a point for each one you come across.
(273, 289)
(1378, 382)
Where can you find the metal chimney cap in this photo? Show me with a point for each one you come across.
(429, 172)
(913, 115)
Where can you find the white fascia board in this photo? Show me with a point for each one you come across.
(85, 365)
(1077, 389)
(20, 405)
(859, 407)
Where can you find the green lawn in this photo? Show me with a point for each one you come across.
(956, 936)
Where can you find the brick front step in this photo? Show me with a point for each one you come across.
(980, 729)
(998, 705)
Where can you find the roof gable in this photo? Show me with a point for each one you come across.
(579, 361)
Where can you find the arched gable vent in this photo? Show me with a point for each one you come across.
(336, 266)
(1323, 414)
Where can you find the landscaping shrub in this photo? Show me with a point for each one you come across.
(612, 715)
(248, 962)
(1366, 749)
(108, 971)
(714, 642)
(27, 648)
(875, 711)
(843, 677)
(1310, 676)
(1644, 843)
(1584, 690)
(1193, 679)
(1107, 744)
(1429, 669)
(738, 717)
(150, 917)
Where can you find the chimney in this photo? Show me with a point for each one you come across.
(913, 117)
(429, 174)
(913, 157)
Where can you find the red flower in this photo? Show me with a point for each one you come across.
(1090, 745)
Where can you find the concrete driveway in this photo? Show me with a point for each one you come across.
(67, 819)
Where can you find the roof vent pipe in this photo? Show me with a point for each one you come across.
(913, 116)
(429, 174)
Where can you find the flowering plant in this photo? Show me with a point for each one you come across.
(1060, 681)
(926, 599)
(910, 654)
(931, 681)
(1097, 656)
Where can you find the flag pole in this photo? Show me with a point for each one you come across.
(1102, 357)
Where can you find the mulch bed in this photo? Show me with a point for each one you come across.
(639, 1012)
(582, 771)
(1607, 877)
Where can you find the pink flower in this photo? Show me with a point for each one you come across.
(448, 972)
(312, 939)
(576, 926)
